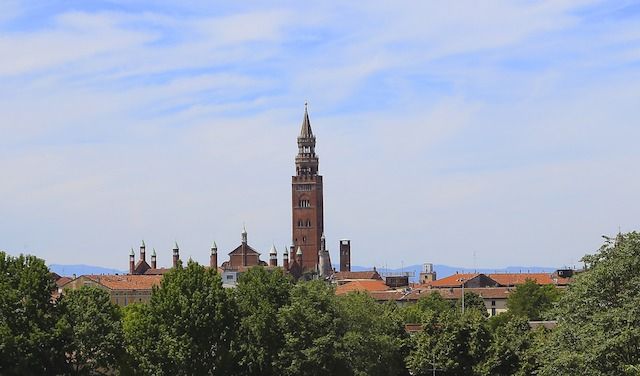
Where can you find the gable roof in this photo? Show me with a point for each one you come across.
(362, 285)
(500, 279)
(368, 274)
(249, 250)
(126, 282)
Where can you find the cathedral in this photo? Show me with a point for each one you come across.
(308, 253)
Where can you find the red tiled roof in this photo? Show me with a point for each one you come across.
(454, 280)
(362, 285)
(512, 279)
(126, 282)
(368, 274)
(62, 281)
(503, 279)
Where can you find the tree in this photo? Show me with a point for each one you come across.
(187, 327)
(374, 341)
(29, 341)
(514, 349)
(531, 300)
(598, 330)
(92, 329)
(473, 301)
(429, 304)
(259, 295)
(454, 342)
(312, 329)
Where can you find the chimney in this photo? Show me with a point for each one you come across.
(132, 261)
(176, 254)
(345, 255)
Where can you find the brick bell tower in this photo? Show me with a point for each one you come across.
(306, 198)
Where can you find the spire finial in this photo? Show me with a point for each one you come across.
(132, 253)
(153, 252)
(175, 245)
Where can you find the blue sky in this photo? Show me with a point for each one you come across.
(505, 130)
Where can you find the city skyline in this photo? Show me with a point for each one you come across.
(450, 134)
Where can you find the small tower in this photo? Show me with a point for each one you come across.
(273, 256)
(324, 263)
(244, 234)
(213, 259)
(176, 254)
(153, 259)
(285, 259)
(132, 261)
(142, 252)
(345, 255)
(299, 256)
(428, 274)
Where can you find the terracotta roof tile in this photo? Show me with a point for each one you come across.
(368, 274)
(126, 282)
(362, 285)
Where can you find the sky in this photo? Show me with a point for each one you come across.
(476, 134)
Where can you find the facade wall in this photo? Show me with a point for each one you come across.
(307, 217)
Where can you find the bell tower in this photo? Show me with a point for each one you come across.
(306, 193)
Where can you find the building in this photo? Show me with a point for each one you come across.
(123, 289)
(307, 218)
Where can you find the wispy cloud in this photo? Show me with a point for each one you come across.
(499, 128)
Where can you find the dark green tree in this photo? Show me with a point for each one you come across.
(514, 349)
(531, 300)
(473, 301)
(454, 343)
(92, 329)
(312, 330)
(374, 341)
(259, 295)
(29, 341)
(186, 328)
(598, 329)
(425, 307)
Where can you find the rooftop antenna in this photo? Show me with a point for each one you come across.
(475, 263)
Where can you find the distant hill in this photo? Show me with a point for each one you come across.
(446, 270)
(70, 270)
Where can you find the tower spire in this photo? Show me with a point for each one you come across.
(305, 130)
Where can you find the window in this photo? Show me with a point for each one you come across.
(493, 303)
(229, 276)
(304, 204)
(493, 311)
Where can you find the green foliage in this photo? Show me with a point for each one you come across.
(259, 295)
(187, 327)
(514, 348)
(312, 328)
(455, 343)
(531, 300)
(428, 305)
(92, 330)
(473, 301)
(29, 342)
(374, 341)
(599, 315)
